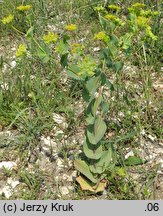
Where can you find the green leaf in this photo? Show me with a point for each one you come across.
(132, 160)
(90, 134)
(74, 68)
(91, 151)
(65, 38)
(96, 132)
(61, 47)
(112, 27)
(112, 49)
(110, 85)
(43, 56)
(92, 85)
(85, 95)
(103, 163)
(99, 170)
(127, 41)
(73, 75)
(104, 108)
(90, 119)
(103, 79)
(29, 33)
(114, 39)
(83, 167)
(99, 127)
(96, 104)
(103, 23)
(118, 66)
(105, 54)
(64, 60)
(106, 158)
(96, 168)
(73, 71)
(109, 63)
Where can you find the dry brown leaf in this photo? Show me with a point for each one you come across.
(86, 185)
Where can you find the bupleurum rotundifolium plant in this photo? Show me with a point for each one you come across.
(115, 39)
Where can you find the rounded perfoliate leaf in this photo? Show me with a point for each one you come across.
(83, 167)
(96, 132)
(118, 66)
(44, 57)
(90, 119)
(126, 41)
(102, 164)
(61, 47)
(104, 108)
(91, 151)
(95, 105)
(72, 71)
(92, 85)
(96, 169)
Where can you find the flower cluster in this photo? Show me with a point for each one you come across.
(77, 48)
(114, 7)
(110, 17)
(21, 50)
(50, 37)
(142, 21)
(99, 8)
(71, 27)
(8, 19)
(138, 5)
(87, 67)
(114, 19)
(150, 34)
(148, 13)
(24, 7)
(101, 36)
(138, 10)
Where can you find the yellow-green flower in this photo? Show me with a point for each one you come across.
(138, 5)
(148, 13)
(142, 21)
(155, 13)
(131, 9)
(150, 34)
(77, 48)
(110, 17)
(71, 27)
(50, 37)
(136, 8)
(115, 19)
(101, 36)
(120, 171)
(99, 8)
(21, 50)
(114, 7)
(8, 19)
(87, 67)
(24, 7)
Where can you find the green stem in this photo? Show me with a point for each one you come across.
(17, 30)
(20, 32)
(146, 79)
(38, 44)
